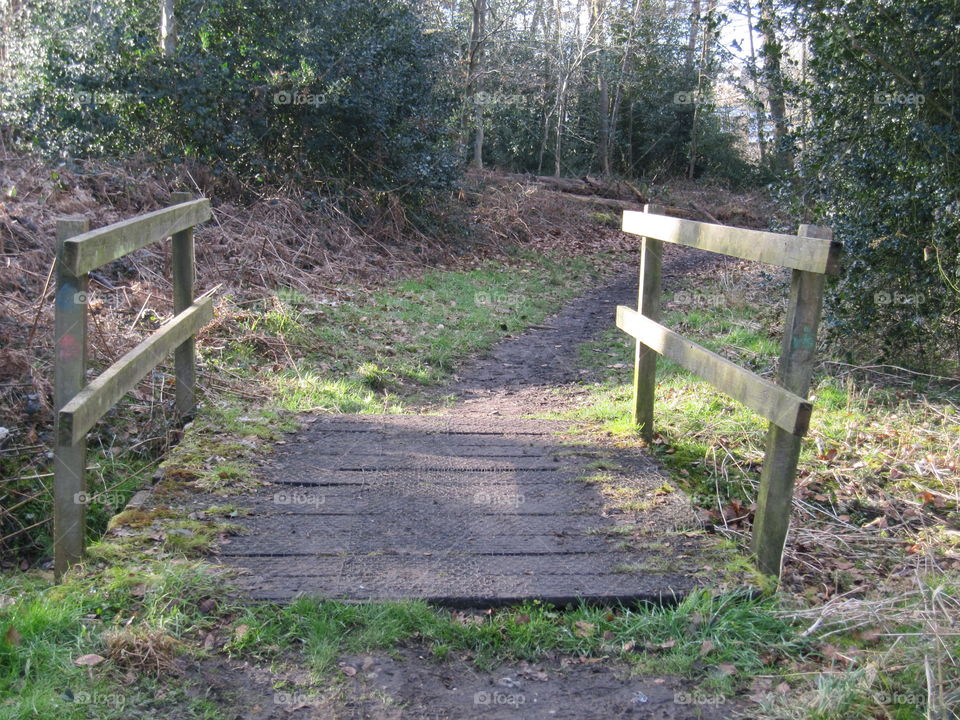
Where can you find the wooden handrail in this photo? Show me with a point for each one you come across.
(94, 248)
(799, 252)
(78, 405)
(776, 404)
(812, 254)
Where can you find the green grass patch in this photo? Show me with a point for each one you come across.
(740, 631)
(45, 628)
(879, 461)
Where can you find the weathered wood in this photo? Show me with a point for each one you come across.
(90, 250)
(797, 353)
(645, 359)
(79, 415)
(819, 255)
(777, 404)
(70, 343)
(182, 262)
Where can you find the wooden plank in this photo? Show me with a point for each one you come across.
(182, 262)
(69, 458)
(645, 359)
(79, 415)
(90, 250)
(797, 355)
(813, 254)
(780, 406)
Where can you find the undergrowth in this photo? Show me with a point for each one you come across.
(872, 560)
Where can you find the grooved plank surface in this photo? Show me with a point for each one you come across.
(468, 510)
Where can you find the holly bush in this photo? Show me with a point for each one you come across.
(881, 166)
(331, 92)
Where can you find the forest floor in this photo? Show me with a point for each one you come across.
(864, 624)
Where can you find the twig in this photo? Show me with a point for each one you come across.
(40, 303)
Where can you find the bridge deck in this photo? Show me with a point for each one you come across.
(466, 510)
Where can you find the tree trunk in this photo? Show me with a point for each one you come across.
(691, 49)
(478, 139)
(694, 33)
(773, 76)
(620, 88)
(474, 55)
(561, 98)
(604, 144)
(168, 28)
(561, 87)
(760, 109)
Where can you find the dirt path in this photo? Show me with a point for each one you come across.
(521, 375)
(474, 505)
(479, 505)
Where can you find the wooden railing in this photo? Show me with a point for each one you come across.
(811, 254)
(79, 405)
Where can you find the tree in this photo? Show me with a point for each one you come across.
(474, 56)
(332, 93)
(772, 54)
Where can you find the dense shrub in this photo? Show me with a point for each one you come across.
(329, 92)
(882, 168)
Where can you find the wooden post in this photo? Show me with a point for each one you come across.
(645, 359)
(70, 365)
(775, 499)
(182, 262)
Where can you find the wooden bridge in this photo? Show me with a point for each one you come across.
(482, 505)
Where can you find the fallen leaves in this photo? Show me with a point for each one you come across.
(531, 672)
(583, 629)
(12, 636)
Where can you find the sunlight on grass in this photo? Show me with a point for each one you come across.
(654, 639)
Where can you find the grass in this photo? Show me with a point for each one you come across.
(851, 641)
(113, 476)
(145, 616)
(370, 354)
(875, 533)
(655, 640)
(46, 628)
